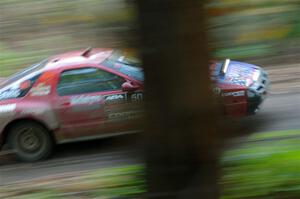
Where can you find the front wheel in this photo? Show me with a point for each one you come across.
(30, 141)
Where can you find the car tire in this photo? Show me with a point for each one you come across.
(30, 141)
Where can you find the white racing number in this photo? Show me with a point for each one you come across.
(137, 97)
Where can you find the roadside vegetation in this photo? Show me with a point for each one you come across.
(109, 183)
(267, 165)
(34, 30)
(266, 32)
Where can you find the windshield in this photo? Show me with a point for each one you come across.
(33, 68)
(129, 66)
(124, 57)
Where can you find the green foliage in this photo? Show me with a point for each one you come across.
(244, 51)
(249, 24)
(35, 29)
(120, 182)
(12, 61)
(266, 166)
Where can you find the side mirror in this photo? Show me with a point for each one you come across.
(129, 87)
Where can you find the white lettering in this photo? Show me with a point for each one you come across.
(114, 97)
(82, 99)
(234, 94)
(125, 115)
(33, 112)
(40, 90)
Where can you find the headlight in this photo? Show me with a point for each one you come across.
(256, 75)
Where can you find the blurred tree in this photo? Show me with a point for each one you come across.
(263, 31)
(181, 141)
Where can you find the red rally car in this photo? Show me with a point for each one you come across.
(98, 93)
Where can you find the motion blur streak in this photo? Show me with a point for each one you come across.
(265, 31)
(32, 30)
(261, 153)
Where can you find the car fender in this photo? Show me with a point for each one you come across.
(234, 98)
(38, 111)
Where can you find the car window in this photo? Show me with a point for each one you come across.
(125, 65)
(87, 80)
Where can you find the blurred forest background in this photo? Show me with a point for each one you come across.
(263, 32)
(266, 32)
(32, 30)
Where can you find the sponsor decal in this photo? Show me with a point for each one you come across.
(240, 74)
(11, 93)
(234, 94)
(125, 115)
(115, 98)
(87, 107)
(9, 108)
(32, 112)
(41, 90)
(137, 97)
(84, 99)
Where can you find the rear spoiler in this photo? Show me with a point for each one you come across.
(224, 67)
(86, 52)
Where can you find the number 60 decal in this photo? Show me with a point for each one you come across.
(137, 97)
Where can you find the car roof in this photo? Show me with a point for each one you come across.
(86, 56)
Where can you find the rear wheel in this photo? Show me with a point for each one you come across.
(30, 141)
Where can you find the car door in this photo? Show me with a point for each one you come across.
(87, 98)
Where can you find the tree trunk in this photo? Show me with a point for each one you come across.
(181, 141)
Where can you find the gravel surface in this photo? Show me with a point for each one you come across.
(284, 79)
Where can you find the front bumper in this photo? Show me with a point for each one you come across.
(258, 91)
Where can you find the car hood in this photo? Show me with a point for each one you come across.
(238, 73)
